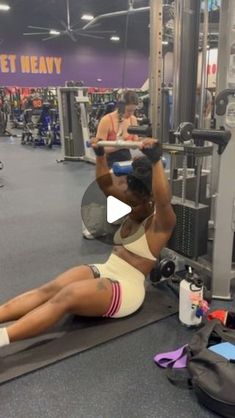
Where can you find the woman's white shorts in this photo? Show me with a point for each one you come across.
(128, 285)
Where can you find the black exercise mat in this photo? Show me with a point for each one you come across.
(76, 334)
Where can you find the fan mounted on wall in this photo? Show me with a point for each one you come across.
(71, 31)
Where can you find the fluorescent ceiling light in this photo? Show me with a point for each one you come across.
(4, 7)
(165, 42)
(115, 38)
(54, 32)
(87, 17)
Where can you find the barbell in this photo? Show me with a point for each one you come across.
(120, 143)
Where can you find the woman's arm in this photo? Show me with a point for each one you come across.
(103, 129)
(165, 218)
(103, 175)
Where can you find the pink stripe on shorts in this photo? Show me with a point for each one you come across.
(116, 300)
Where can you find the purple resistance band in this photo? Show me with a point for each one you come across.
(176, 359)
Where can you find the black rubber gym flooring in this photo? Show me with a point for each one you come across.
(40, 236)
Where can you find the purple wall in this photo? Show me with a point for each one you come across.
(78, 63)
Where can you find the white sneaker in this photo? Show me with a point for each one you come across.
(86, 234)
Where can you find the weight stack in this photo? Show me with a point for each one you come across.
(190, 235)
(191, 188)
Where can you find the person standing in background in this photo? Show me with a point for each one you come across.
(113, 126)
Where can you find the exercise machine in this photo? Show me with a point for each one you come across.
(73, 102)
(41, 127)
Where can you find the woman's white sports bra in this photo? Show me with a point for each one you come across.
(136, 243)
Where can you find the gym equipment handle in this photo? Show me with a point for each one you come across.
(143, 131)
(219, 137)
(186, 131)
(118, 144)
(221, 101)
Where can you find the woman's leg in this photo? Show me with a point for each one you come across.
(22, 304)
(85, 298)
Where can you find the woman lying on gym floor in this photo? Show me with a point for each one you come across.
(116, 288)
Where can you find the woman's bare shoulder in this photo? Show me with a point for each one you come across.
(107, 118)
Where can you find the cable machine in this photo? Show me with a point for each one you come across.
(73, 103)
(220, 267)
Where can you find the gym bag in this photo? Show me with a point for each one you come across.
(210, 374)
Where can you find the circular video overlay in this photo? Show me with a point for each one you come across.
(102, 216)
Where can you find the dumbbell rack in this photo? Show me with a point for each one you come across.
(191, 232)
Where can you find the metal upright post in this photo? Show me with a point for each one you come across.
(187, 20)
(177, 62)
(204, 65)
(83, 101)
(62, 136)
(222, 272)
(155, 76)
(220, 85)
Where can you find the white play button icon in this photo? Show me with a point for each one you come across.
(102, 215)
(116, 209)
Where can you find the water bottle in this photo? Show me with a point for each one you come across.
(190, 295)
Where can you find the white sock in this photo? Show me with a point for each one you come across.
(4, 339)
